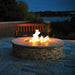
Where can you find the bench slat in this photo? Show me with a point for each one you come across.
(30, 28)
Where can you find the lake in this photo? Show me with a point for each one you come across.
(55, 19)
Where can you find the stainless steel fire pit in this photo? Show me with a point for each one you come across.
(26, 50)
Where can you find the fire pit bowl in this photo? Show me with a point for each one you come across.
(23, 49)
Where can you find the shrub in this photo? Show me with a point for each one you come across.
(71, 36)
(35, 18)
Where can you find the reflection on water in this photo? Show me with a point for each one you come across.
(54, 19)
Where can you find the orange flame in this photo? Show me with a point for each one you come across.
(36, 38)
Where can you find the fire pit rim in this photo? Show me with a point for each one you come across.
(54, 45)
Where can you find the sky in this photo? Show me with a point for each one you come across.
(52, 5)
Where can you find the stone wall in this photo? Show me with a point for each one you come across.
(35, 53)
(7, 29)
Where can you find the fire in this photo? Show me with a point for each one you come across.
(36, 38)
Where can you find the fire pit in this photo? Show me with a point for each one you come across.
(37, 48)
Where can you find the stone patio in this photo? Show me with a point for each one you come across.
(10, 65)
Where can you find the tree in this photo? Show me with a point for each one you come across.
(12, 10)
(22, 10)
(6, 9)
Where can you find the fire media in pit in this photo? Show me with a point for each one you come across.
(37, 48)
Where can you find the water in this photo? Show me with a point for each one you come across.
(55, 19)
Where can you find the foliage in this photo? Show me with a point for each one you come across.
(6, 9)
(22, 11)
(35, 18)
(12, 10)
(63, 30)
(55, 13)
(71, 35)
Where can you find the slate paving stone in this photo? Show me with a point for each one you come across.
(10, 65)
(7, 73)
(26, 73)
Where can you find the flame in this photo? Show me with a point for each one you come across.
(36, 38)
(41, 39)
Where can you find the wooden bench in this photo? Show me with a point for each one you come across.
(29, 29)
